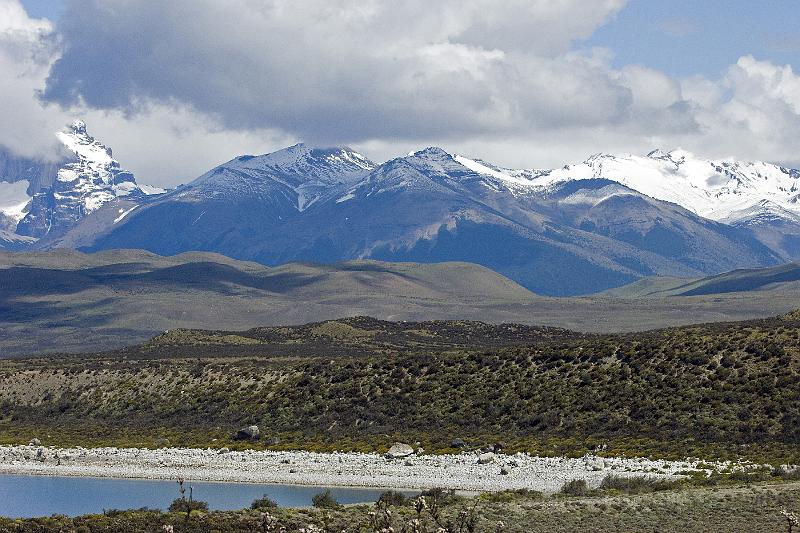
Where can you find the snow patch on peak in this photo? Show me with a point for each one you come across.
(720, 190)
(299, 176)
(476, 165)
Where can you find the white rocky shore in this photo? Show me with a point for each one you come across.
(466, 471)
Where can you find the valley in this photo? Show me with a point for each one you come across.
(66, 301)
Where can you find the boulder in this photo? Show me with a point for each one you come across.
(35, 442)
(248, 433)
(485, 458)
(457, 443)
(399, 450)
(504, 471)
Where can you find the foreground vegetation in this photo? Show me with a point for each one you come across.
(640, 506)
(721, 390)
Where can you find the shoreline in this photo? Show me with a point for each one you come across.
(461, 472)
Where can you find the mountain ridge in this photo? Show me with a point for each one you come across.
(575, 230)
(427, 207)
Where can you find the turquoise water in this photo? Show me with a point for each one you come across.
(30, 496)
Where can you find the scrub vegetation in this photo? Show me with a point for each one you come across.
(711, 391)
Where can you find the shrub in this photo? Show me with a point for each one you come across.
(789, 475)
(118, 512)
(325, 500)
(505, 496)
(441, 496)
(576, 487)
(749, 477)
(264, 502)
(392, 497)
(637, 484)
(181, 505)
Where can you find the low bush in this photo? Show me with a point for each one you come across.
(264, 502)
(576, 487)
(325, 500)
(749, 477)
(181, 505)
(120, 512)
(441, 496)
(505, 496)
(637, 484)
(788, 475)
(392, 497)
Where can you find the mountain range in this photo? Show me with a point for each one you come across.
(575, 230)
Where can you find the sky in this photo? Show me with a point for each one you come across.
(178, 87)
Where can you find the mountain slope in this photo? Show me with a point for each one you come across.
(778, 279)
(757, 196)
(303, 204)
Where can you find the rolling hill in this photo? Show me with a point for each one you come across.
(777, 279)
(65, 301)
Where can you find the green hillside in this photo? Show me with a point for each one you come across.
(723, 389)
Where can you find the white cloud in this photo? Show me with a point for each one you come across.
(165, 143)
(179, 86)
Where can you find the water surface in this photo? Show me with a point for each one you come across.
(29, 496)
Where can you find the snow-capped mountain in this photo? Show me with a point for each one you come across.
(294, 178)
(92, 179)
(728, 191)
(574, 230)
(761, 197)
(20, 179)
(325, 205)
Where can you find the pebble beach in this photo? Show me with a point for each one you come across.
(466, 471)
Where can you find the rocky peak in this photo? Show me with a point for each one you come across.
(82, 185)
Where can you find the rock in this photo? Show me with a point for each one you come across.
(274, 441)
(408, 462)
(161, 443)
(595, 464)
(248, 433)
(485, 458)
(504, 471)
(457, 443)
(35, 442)
(499, 447)
(223, 450)
(399, 450)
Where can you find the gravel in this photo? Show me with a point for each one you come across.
(461, 472)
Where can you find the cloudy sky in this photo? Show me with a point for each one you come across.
(177, 87)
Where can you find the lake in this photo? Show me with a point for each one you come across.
(31, 496)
